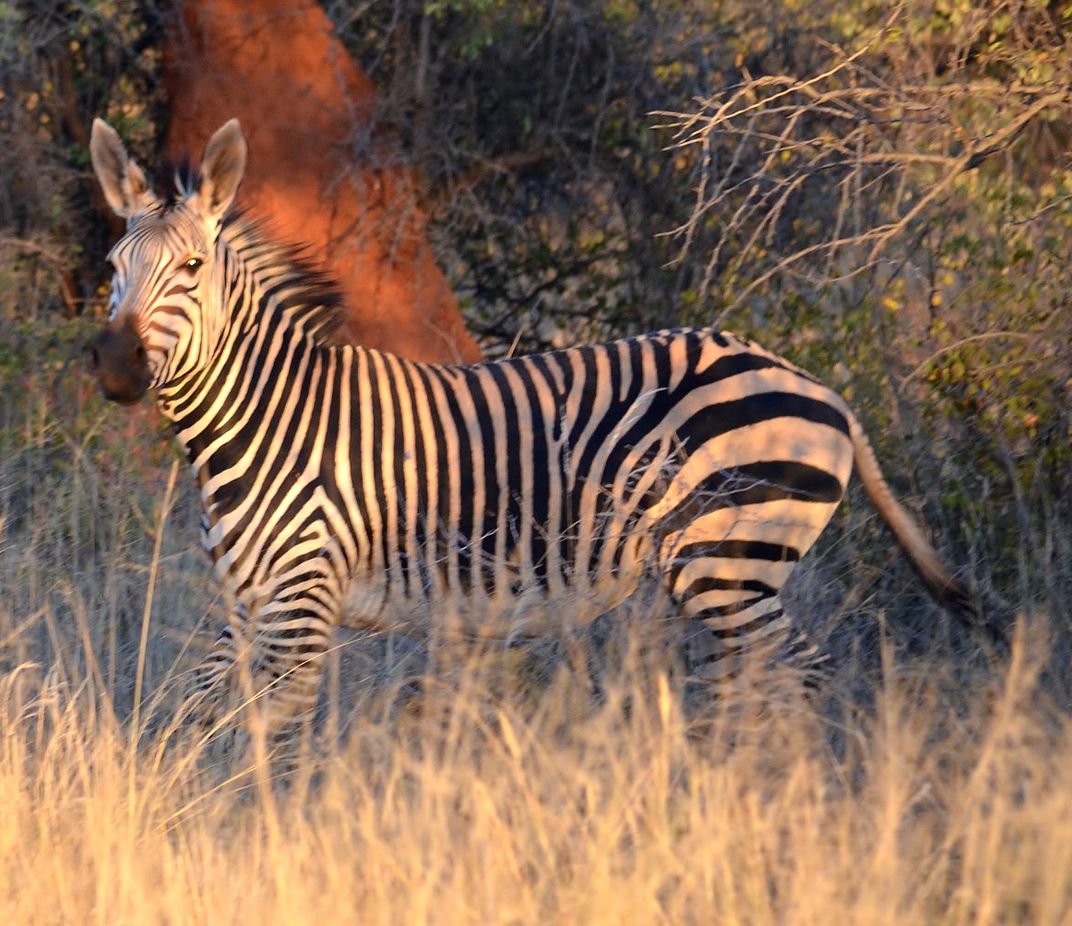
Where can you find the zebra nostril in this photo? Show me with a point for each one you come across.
(139, 354)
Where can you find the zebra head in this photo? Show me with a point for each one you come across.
(163, 317)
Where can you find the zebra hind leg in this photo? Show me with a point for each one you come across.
(724, 640)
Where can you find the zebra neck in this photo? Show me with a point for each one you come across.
(250, 407)
(279, 313)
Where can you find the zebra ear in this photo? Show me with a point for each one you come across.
(222, 169)
(123, 182)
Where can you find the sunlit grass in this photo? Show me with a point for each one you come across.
(476, 801)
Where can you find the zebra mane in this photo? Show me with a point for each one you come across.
(303, 290)
(175, 180)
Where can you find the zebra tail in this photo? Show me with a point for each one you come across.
(958, 598)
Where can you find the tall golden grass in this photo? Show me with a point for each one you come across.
(476, 800)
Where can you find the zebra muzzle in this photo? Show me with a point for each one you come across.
(118, 359)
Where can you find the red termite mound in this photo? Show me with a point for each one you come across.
(317, 170)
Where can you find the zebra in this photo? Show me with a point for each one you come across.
(341, 485)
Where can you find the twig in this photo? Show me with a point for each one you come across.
(985, 336)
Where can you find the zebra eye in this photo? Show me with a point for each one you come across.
(193, 263)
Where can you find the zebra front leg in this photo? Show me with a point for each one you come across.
(279, 671)
(213, 680)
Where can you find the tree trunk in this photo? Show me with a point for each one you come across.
(321, 169)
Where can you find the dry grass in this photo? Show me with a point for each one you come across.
(476, 802)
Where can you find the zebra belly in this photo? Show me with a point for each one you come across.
(533, 611)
